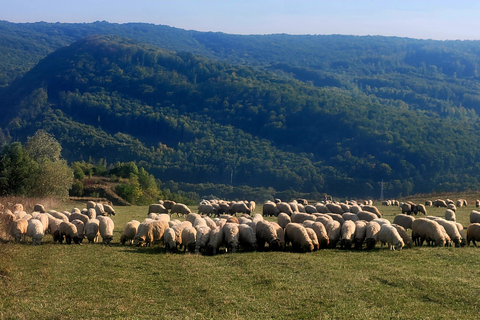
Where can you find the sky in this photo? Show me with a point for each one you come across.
(421, 19)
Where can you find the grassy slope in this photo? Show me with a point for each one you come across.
(95, 281)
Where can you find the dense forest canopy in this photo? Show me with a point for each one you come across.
(317, 114)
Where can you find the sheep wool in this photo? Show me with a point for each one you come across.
(297, 234)
(216, 240)
(35, 230)
(92, 230)
(106, 227)
(246, 238)
(129, 232)
(347, 234)
(266, 233)
(68, 231)
(333, 228)
(203, 237)
(19, 229)
(231, 235)
(320, 231)
(389, 235)
(473, 233)
(371, 234)
(404, 220)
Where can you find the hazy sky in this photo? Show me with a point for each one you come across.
(424, 19)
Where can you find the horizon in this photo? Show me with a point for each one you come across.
(436, 20)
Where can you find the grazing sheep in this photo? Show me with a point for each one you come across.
(129, 232)
(475, 216)
(420, 208)
(180, 209)
(313, 237)
(381, 221)
(320, 231)
(280, 234)
(179, 229)
(240, 207)
(347, 234)
(372, 209)
(407, 240)
(389, 234)
(350, 216)
(266, 233)
(39, 208)
(333, 228)
(45, 220)
(246, 238)
(407, 208)
(91, 213)
(452, 207)
(270, 209)
(109, 209)
(207, 209)
(99, 208)
(68, 231)
(35, 230)
(203, 237)
(189, 239)
(169, 240)
(106, 227)
(323, 218)
(450, 215)
(19, 229)
(322, 208)
(78, 216)
(477, 203)
(297, 235)
(80, 229)
(428, 203)
(168, 204)
(298, 217)
(356, 209)
(336, 217)
(451, 229)
(156, 208)
(284, 207)
(439, 203)
(404, 220)
(92, 230)
(334, 208)
(294, 206)
(150, 231)
(366, 215)
(473, 233)
(310, 209)
(463, 237)
(231, 236)
(6, 221)
(371, 234)
(429, 230)
(91, 205)
(216, 241)
(360, 233)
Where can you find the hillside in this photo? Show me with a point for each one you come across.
(334, 114)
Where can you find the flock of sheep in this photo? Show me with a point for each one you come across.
(232, 227)
(93, 222)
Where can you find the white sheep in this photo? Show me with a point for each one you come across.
(106, 227)
(473, 233)
(360, 233)
(333, 228)
(80, 229)
(429, 230)
(230, 231)
(169, 240)
(246, 238)
(216, 241)
(19, 229)
(297, 235)
(109, 209)
(404, 220)
(150, 231)
(92, 230)
(203, 237)
(180, 209)
(320, 231)
(266, 233)
(347, 234)
(35, 230)
(68, 231)
(189, 239)
(371, 234)
(474, 216)
(350, 216)
(280, 234)
(451, 229)
(313, 237)
(450, 215)
(388, 234)
(407, 240)
(284, 207)
(129, 232)
(299, 217)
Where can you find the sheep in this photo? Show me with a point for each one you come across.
(78, 216)
(333, 228)
(356, 209)
(372, 209)
(80, 229)
(313, 237)
(20, 215)
(407, 208)
(347, 234)
(168, 204)
(452, 207)
(477, 203)
(337, 217)
(68, 231)
(207, 209)
(246, 238)
(425, 229)
(420, 208)
(91, 205)
(310, 209)
(203, 237)
(252, 206)
(334, 208)
(179, 229)
(404, 220)
(216, 240)
(463, 237)
(180, 209)
(173, 223)
(322, 208)
(109, 209)
(350, 216)
(18, 207)
(294, 206)
(106, 228)
(474, 216)
(297, 235)
(407, 240)
(450, 215)
(233, 220)
(150, 231)
(270, 209)
(360, 233)
(439, 203)
(35, 230)
(58, 215)
(19, 229)
(230, 231)
(451, 229)
(381, 221)
(6, 221)
(44, 219)
(99, 209)
(266, 233)
(39, 208)
(428, 203)
(324, 218)
(283, 219)
(284, 207)
(91, 213)
(169, 240)
(389, 234)
(298, 217)
(189, 238)
(473, 233)
(320, 231)
(280, 234)
(92, 230)
(210, 223)
(371, 234)
(129, 232)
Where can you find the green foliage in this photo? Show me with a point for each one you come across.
(77, 189)
(17, 170)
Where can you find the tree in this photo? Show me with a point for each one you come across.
(17, 170)
(43, 146)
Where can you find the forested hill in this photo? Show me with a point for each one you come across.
(193, 119)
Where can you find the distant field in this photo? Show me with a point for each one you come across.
(55, 281)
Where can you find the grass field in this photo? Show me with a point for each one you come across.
(55, 281)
